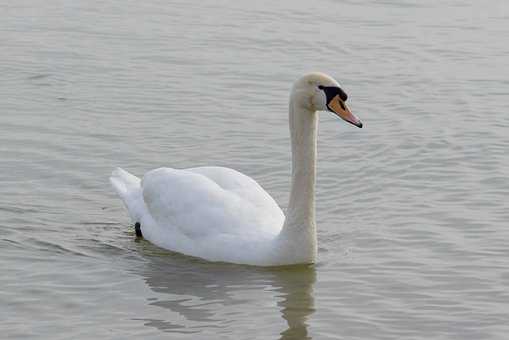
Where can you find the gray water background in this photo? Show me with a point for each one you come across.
(412, 210)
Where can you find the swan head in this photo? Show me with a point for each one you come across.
(319, 92)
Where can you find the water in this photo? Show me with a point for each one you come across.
(412, 210)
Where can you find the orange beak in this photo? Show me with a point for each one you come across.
(339, 107)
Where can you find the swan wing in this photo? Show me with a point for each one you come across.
(207, 203)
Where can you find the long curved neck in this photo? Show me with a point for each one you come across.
(299, 230)
(303, 126)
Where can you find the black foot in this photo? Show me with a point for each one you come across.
(137, 229)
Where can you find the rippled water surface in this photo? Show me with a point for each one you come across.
(412, 210)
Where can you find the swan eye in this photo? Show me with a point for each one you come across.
(332, 91)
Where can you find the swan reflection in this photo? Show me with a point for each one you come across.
(200, 296)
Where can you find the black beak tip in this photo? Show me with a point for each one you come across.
(359, 125)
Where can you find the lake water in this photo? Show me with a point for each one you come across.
(412, 210)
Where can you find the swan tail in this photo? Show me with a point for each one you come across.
(123, 182)
(128, 188)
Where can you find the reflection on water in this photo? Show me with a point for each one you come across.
(297, 302)
(212, 295)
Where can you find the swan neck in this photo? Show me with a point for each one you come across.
(298, 235)
(303, 127)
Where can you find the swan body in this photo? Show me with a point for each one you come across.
(220, 214)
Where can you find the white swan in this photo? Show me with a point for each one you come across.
(219, 214)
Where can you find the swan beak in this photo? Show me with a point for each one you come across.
(339, 107)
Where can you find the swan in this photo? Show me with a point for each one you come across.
(220, 214)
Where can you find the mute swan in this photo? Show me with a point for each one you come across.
(219, 214)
